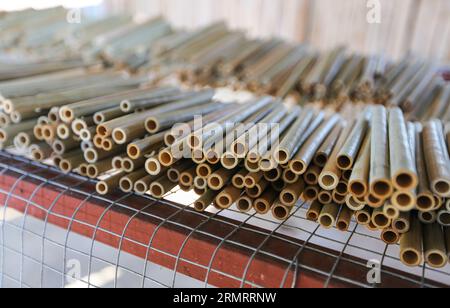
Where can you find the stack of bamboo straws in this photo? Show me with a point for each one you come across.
(369, 162)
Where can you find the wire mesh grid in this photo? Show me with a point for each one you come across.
(222, 248)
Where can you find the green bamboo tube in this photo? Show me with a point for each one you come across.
(391, 211)
(425, 198)
(291, 194)
(390, 236)
(314, 211)
(380, 184)
(289, 145)
(131, 165)
(444, 218)
(258, 189)
(144, 146)
(354, 203)
(411, 253)
(374, 201)
(244, 204)
(364, 216)
(95, 170)
(264, 203)
(359, 180)
(108, 114)
(8, 133)
(428, 217)
(437, 160)
(350, 149)
(402, 224)
(403, 167)
(187, 176)
(331, 174)
(344, 219)
(434, 246)
(290, 177)
(304, 157)
(325, 197)
(142, 186)
(280, 211)
(41, 151)
(106, 186)
(238, 179)
(153, 166)
(310, 193)
(227, 197)
(202, 203)
(220, 178)
(379, 219)
(205, 170)
(323, 153)
(63, 131)
(405, 201)
(62, 146)
(94, 155)
(251, 179)
(160, 187)
(127, 182)
(274, 174)
(328, 215)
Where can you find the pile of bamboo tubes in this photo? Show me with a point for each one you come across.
(370, 163)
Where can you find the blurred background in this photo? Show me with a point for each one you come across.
(418, 26)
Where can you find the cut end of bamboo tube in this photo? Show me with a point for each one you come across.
(280, 212)
(362, 218)
(244, 204)
(441, 187)
(411, 257)
(358, 188)
(126, 185)
(119, 136)
(382, 189)
(229, 161)
(436, 259)
(152, 125)
(328, 180)
(153, 166)
(92, 171)
(102, 188)
(344, 162)
(390, 237)
(166, 158)
(91, 156)
(404, 201)
(215, 182)
(157, 190)
(425, 202)
(405, 180)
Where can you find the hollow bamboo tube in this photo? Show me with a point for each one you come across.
(81, 123)
(323, 154)
(364, 216)
(274, 174)
(359, 181)
(391, 211)
(25, 139)
(49, 132)
(344, 218)
(199, 157)
(289, 145)
(142, 186)
(87, 134)
(379, 219)
(175, 171)
(205, 170)
(411, 248)
(82, 169)
(404, 200)
(350, 149)
(187, 176)
(37, 131)
(238, 179)
(403, 166)
(444, 218)
(402, 224)
(380, 184)
(229, 160)
(251, 167)
(108, 185)
(117, 162)
(227, 197)
(220, 178)
(144, 146)
(8, 133)
(127, 182)
(244, 203)
(71, 162)
(202, 203)
(310, 193)
(425, 198)
(354, 203)
(251, 179)
(304, 157)
(390, 236)
(131, 165)
(427, 217)
(337, 198)
(328, 215)
(63, 131)
(325, 197)
(160, 187)
(280, 211)
(314, 211)
(437, 160)
(291, 194)
(264, 203)
(41, 151)
(170, 96)
(94, 155)
(63, 146)
(153, 166)
(95, 170)
(434, 246)
(108, 115)
(290, 177)
(374, 201)
(330, 175)
(258, 189)
(200, 183)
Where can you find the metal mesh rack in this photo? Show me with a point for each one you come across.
(52, 223)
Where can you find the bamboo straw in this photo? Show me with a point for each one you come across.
(187, 176)
(41, 151)
(344, 219)
(364, 216)
(328, 215)
(220, 178)
(325, 197)
(403, 223)
(380, 184)
(310, 193)
(244, 204)
(131, 165)
(160, 187)
(251, 179)
(434, 246)
(258, 189)
(314, 211)
(428, 217)
(291, 194)
(95, 170)
(425, 198)
(238, 179)
(63, 131)
(444, 218)
(411, 244)
(205, 200)
(324, 152)
(142, 186)
(359, 180)
(104, 187)
(227, 197)
(379, 219)
(391, 211)
(437, 160)
(264, 203)
(354, 203)
(404, 200)
(290, 177)
(390, 236)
